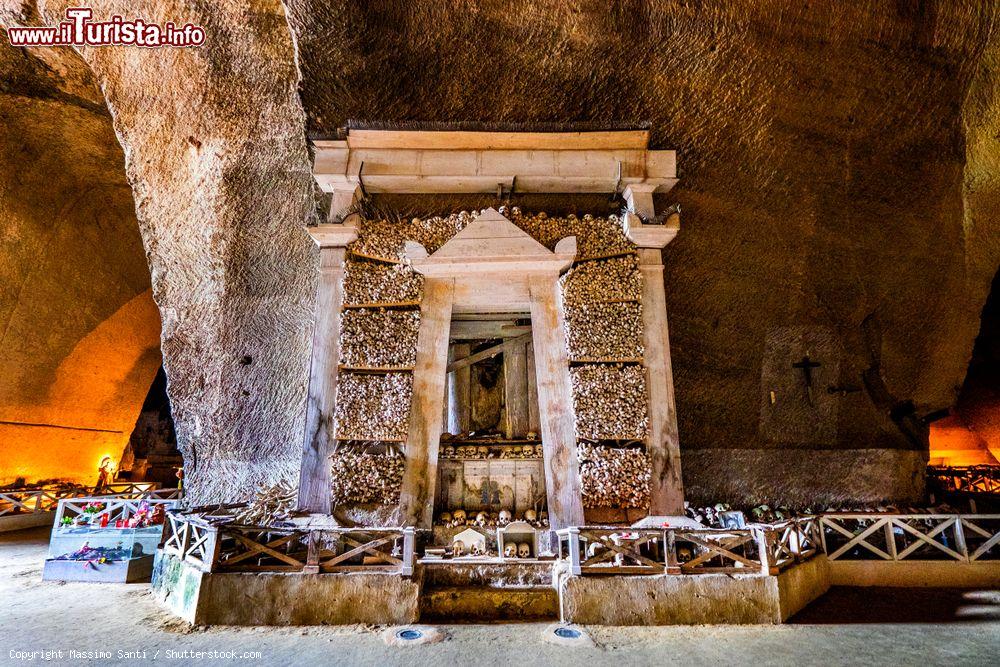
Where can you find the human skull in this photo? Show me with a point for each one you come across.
(543, 518)
(444, 518)
(538, 451)
(510, 550)
(483, 452)
(449, 452)
(481, 519)
(458, 518)
(476, 549)
(504, 517)
(529, 515)
(523, 550)
(457, 548)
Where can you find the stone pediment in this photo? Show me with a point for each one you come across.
(491, 243)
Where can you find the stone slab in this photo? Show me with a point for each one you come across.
(284, 598)
(915, 574)
(692, 599)
(26, 520)
(129, 571)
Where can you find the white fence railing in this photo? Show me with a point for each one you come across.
(911, 537)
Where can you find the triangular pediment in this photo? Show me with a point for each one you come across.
(491, 235)
(491, 242)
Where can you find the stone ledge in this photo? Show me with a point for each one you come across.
(693, 599)
(914, 574)
(284, 598)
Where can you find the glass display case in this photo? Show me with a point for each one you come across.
(105, 539)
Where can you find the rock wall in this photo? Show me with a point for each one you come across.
(836, 168)
(215, 152)
(79, 332)
(838, 178)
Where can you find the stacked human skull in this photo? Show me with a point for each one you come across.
(613, 477)
(604, 330)
(609, 401)
(373, 406)
(359, 477)
(379, 337)
(368, 282)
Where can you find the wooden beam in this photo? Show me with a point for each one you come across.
(534, 423)
(315, 469)
(416, 498)
(666, 488)
(515, 370)
(555, 404)
(484, 330)
(484, 140)
(491, 351)
(460, 393)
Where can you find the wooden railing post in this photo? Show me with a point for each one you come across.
(409, 550)
(890, 538)
(763, 550)
(963, 548)
(574, 550)
(670, 552)
(312, 553)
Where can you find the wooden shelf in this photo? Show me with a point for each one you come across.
(387, 304)
(610, 255)
(375, 369)
(370, 440)
(376, 258)
(595, 360)
(474, 458)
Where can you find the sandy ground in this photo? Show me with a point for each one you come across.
(846, 627)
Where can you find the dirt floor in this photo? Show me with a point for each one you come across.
(846, 627)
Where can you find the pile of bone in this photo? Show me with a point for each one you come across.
(612, 477)
(377, 282)
(604, 330)
(460, 518)
(484, 452)
(386, 238)
(379, 337)
(269, 505)
(361, 478)
(709, 516)
(609, 401)
(614, 279)
(373, 407)
(595, 236)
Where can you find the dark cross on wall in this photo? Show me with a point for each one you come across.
(806, 365)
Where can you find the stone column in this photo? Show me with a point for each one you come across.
(555, 404)
(314, 473)
(416, 498)
(666, 486)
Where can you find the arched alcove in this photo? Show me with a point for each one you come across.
(970, 435)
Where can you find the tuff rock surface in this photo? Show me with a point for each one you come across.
(839, 184)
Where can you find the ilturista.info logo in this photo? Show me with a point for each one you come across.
(79, 29)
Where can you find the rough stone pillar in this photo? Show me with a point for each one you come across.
(555, 404)
(416, 498)
(314, 475)
(666, 488)
(460, 393)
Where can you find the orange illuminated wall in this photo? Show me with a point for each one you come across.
(89, 406)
